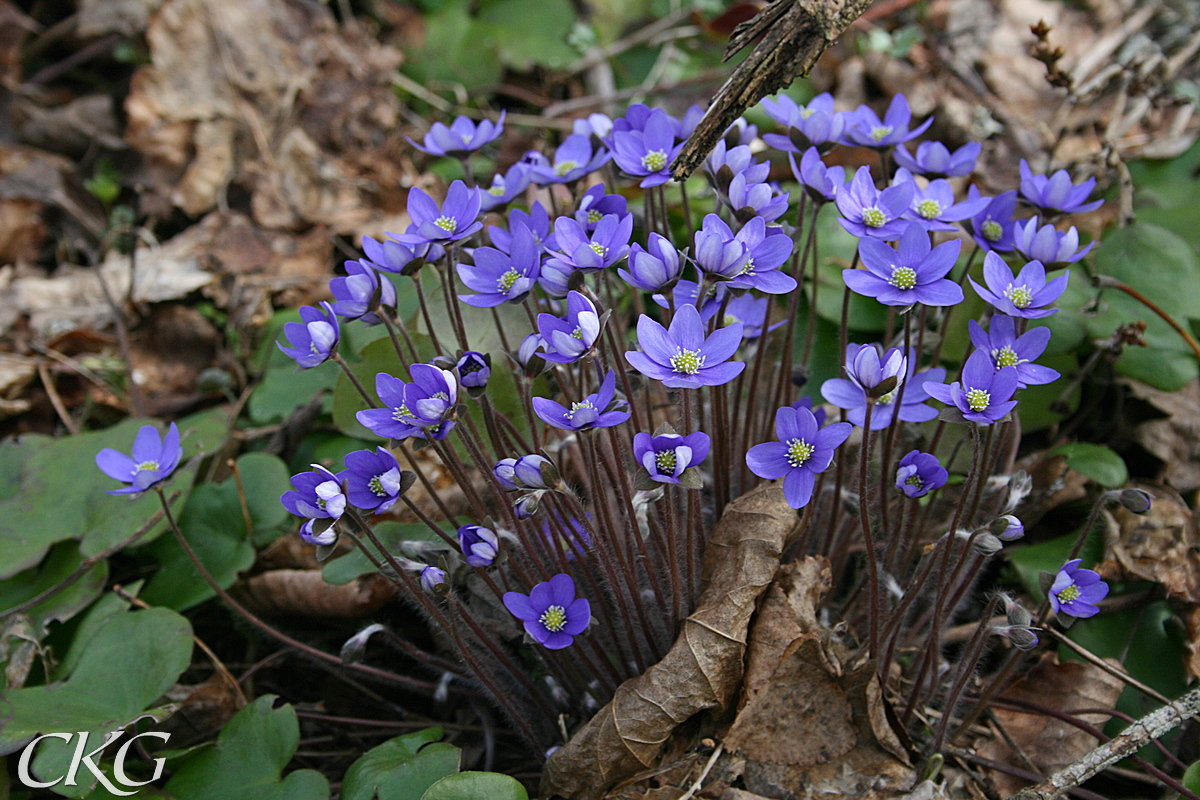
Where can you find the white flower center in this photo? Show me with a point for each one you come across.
(1006, 357)
(748, 267)
(889, 398)
(799, 451)
(599, 249)
(929, 209)
(376, 486)
(872, 217)
(508, 279)
(401, 413)
(880, 131)
(563, 167)
(992, 230)
(496, 190)
(687, 362)
(1069, 594)
(146, 466)
(903, 277)
(554, 618)
(580, 405)
(654, 160)
(1020, 296)
(448, 224)
(978, 399)
(665, 461)
(594, 216)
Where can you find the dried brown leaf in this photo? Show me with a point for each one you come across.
(1175, 439)
(1050, 744)
(1160, 545)
(702, 670)
(304, 592)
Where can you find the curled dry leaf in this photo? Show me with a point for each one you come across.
(1050, 744)
(1160, 545)
(203, 709)
(702, 670)
(1173, 438)
(1053, 484)
(305, 593)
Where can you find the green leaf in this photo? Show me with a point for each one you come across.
(51, 491)
(284, 389)
(344, 569)
(476, 786)
(61, 563)
(214, 525)
(77, 635)
(129, 663)
(528, 33)
(401, 768)
(1097, 462)
(453, 50)
(1191, 778)
(248, 760)
(836, 249)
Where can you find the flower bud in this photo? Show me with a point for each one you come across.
(535, 472)
(322, 538)
(527, 505)
(479, 544)
(1008, 528)
(987, 545)
(433, 580)
(1136, 500)
(474, 369)
(531, 361)
(504, 472)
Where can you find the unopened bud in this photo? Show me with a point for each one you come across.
(356, 646)
(433, 580)
(1136, 500)
(1022, 638)
(1008, 528)
(987, 545)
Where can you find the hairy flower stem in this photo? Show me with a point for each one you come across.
(885, 465)
(453, 308)
(864, 457)
(945, 325)
(379, 674)
(391, 329)
(336, 357)
(966, 668)
(687, 210)
(810, 327)
(437, 345)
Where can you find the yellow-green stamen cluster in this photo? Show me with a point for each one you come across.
(887, 399)
(880, 131)
(978, 399)
(563, 167)
(687, 362)
(654, 160)
(1069, 594)
(1020, 296)
(748, 267)
(914, 480)
(872, 217)
(594, 216)
(1006, 357)
(554, 618)
(401, 414)
(508, 279)
(903, 277)
(799, 451)
(992, 230)
(929, 209)
(146, 466)
(376, 486)
(448, 224)
(665, 461)
(577, 406)
(599, 249)
(497, 190)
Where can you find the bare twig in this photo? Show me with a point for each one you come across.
(56, 401)
(1148, 728)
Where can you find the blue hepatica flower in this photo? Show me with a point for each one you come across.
(607, 244)
(1047, 244)
(654, 268)
(391, 256)
(479, 545)
(500, 277)
(313, 340)
(433, 579)
(820, 182)
(868, 212)
(1006, 349)
(983, 393)
(637, 118)
(461, 137)
(1076, 591)
(374, 481)
(430, 398)
(456, 219)
(572, 160)
(748, 199)
(803, 451)
(718, 251)
(594, 411)
(685, 292)
(474, 369)
(934, 159)
(537, 219)
(152, 462)
(868, 369)
(992, 227)
(504, 188)
(1057, 193)
(666, 456)
(570, 338)
(362, 291)
(681, 357)
(551, 613)
(914, 272)
(767, 249)
(813, 125)
(864, 127)
(1025, 295)
(595, 205)
(647, 153)
(911, 407)
(920, 473)
(724, 163)
(395, 420)
(934, 206)
(317, 495)
(749, 310)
